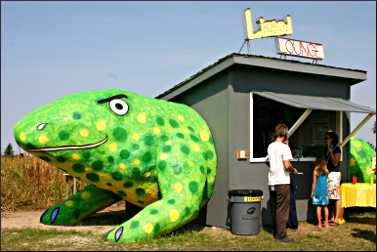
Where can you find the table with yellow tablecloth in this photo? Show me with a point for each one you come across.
(357, 195)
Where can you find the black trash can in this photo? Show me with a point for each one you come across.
(245, 211)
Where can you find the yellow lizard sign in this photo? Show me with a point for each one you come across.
(267, 28)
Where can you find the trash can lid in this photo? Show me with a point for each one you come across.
(246, 192)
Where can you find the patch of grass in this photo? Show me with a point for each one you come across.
(350, 236)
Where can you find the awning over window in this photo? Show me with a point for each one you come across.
(316, 102)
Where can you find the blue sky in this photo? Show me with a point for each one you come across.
(52, 49)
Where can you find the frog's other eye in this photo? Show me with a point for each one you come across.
(119, 106)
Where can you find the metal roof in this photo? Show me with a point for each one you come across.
(316, 102)
(266, 62)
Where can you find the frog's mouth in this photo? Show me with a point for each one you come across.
(70, 147)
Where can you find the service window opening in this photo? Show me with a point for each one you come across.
(307, 142)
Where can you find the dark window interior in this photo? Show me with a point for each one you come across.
(308, 139)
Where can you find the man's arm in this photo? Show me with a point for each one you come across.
(287, 156)
(288, 166)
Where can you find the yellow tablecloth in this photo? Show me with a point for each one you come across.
(359, 194)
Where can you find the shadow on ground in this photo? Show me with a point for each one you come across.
(118, 217)
(363, 220)
(362, 215)
(364, 234)
(105, 219)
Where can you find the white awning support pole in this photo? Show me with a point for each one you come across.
(357, 128)
(299, 122)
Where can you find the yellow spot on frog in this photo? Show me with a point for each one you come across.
(191, 163)
(195, 147)
(186, 131)
(69, 203)
(204, 135)
(113, 147)
(136, 162)
(75, 156)
(177, 187)
(163, 156)
(117, 184)
(88, 169)
(181, 118)
(156, 130)
(168, 142)
(85, 195)
(22, 136)
(43, 139)
(141, 118)
(122, 166)
(174, 215)
(148, 228)
(147, 174)
(84, 132)
(104, 176)
(136, 136)
(357, 144)
(101, 125)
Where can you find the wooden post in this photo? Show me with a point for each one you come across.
(357, 128)
(299, 122)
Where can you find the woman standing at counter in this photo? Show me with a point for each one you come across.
(332, 157)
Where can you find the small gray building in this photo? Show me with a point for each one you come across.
(243, 97)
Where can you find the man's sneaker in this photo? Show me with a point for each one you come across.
(285, 240)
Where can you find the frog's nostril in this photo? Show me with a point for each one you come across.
(41, 126)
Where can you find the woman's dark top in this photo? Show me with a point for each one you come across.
(330, 165)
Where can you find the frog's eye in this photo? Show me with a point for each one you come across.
(119, 106)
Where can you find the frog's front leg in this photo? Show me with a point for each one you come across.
(181, 197)
(80, 205)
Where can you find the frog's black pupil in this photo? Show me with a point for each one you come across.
(119, 106)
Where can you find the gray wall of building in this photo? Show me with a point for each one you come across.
(246, 78)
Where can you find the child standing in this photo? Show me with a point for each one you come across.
(319, 192)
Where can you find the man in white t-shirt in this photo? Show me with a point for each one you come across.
(279, 156)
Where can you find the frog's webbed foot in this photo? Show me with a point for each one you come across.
(80, 205)
(160, 217)
(181, 197)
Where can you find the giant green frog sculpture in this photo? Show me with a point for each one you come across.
(152, 153)
(361, 155)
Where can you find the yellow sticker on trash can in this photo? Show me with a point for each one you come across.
(252, 199)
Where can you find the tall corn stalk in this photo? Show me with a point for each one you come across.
(28, 182)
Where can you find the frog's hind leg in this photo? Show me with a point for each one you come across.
(80, 205)
(182, 193)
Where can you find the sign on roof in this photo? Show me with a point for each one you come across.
(267, 28)
(299, 48)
